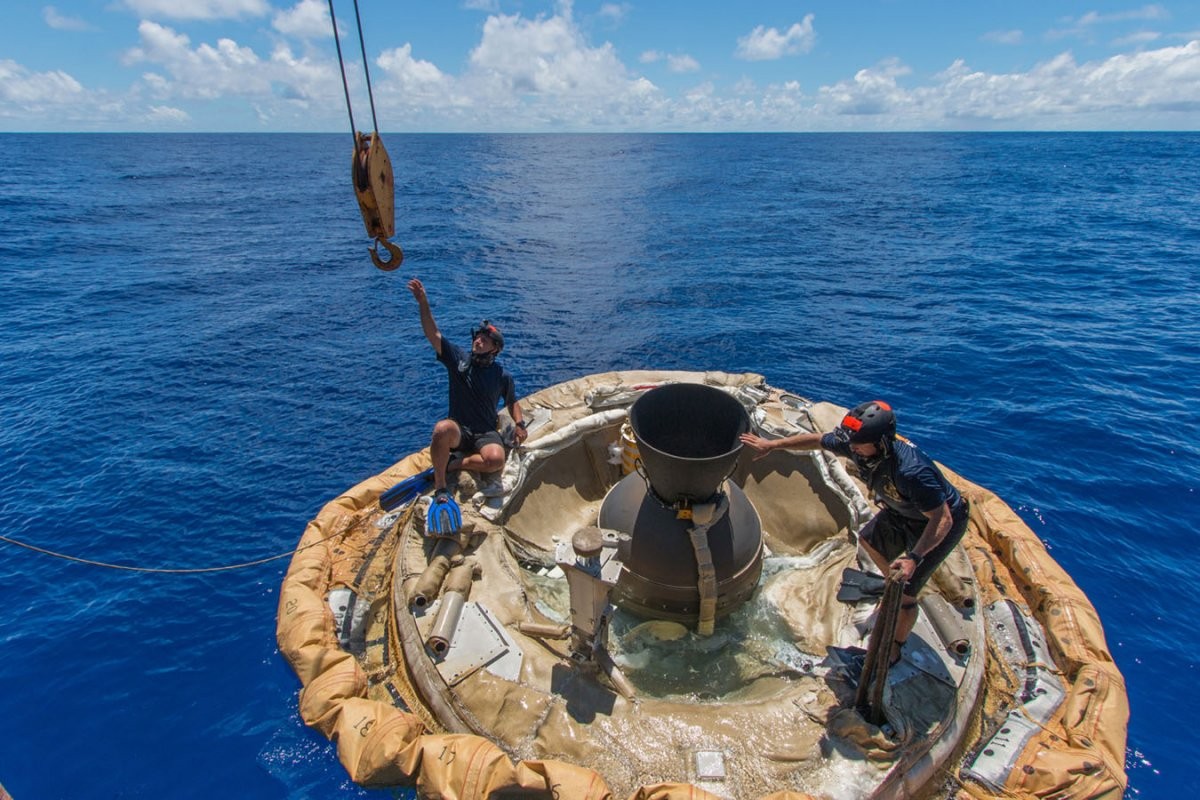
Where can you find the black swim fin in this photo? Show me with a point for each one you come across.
(848, 661)
(406, 490)
(858, 586)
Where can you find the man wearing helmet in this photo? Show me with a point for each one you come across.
(922, 516)
(468, 438)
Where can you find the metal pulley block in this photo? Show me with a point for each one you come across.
(371, 170)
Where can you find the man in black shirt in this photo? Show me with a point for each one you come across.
(922, 516)
(477, 385)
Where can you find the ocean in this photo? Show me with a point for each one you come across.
(197, 354)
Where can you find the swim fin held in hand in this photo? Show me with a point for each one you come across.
(406, 490)
(444, 517)
(858, 586)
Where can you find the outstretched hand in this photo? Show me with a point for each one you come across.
(418, 290)
(758, 444)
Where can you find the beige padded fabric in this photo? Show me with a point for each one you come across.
(388, 733)
(1081, 752)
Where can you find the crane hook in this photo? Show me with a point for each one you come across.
(397, 255)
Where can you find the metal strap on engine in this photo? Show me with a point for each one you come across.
(704, 516)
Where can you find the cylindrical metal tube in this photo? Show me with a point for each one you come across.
(460, 577)
(947, 622)
(426, 589)
(956, 590)
(445, 622)
(458, 586)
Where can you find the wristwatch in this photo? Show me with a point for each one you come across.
(916, 559)
(521, 425)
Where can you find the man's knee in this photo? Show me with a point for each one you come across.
(493, 457)
(447, 429)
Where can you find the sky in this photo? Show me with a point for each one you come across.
(578, 66)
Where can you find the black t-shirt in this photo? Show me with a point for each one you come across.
(907, 481)
(475, 391)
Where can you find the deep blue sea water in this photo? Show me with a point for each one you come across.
(196, 354)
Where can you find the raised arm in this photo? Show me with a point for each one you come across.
(429, 327)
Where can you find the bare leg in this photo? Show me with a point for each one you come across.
(876, 556)
(489, 459)
(904, 624)
(446, 436)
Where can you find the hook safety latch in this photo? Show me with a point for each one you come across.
(371, 170)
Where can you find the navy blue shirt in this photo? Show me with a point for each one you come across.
(907, 481)
(475, 391)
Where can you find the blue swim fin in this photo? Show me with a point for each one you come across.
(444, 517)
(406, 490)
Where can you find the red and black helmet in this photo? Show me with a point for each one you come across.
(869, 423)
(491, 331)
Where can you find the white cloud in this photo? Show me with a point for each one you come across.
(872, 91)
(682, 63)
(745, 87)
(308, 19)
(167, 115)
(412, 77)
(61, 22)
(1145, 12)
(24, 88)
(545, 74)
(304, 79)
(199, 9)
(615, 13)
(546, 57)
(1003, 37)
(230, 70)
(766, 44)
(1084, 25)
(205, 72)
(676, 63)
(1138, 39)
(1056, 91)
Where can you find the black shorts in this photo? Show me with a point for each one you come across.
(472, 442)
(894, 535)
